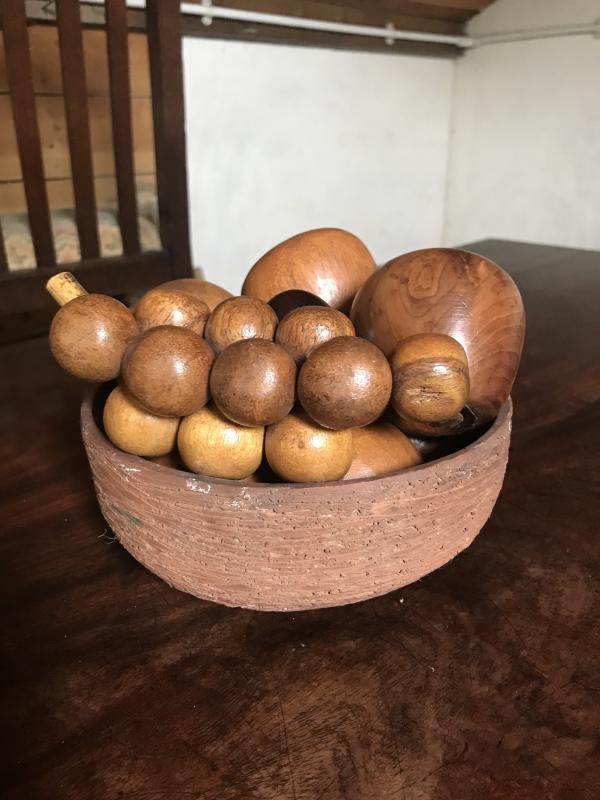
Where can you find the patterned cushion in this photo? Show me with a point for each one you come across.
(19, 244)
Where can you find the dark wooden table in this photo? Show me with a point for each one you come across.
(480, 681)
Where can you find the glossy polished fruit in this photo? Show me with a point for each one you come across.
(90, 332)
(328, 262)
(171, 307)
(166, 370)
(430, 377)
(305, 328)
(345, 383)
(134, 430)
(287, 301)
(239, 318)
(253, 382)
(206, 291)
(213, 445)
(380, 448)
(301, 451)
(458, 293)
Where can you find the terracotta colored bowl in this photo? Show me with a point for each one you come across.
(296, 546)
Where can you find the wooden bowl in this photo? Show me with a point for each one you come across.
(284, 547)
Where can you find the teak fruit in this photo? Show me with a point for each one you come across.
(301, 451)
(166, 370)
(345, 383)
(90, 332)
(239, 318)
(253, 382)
(305, 328)
(134, 430)
(380, 448)
(430, 377)
(162, 306)
(328, 262)
(461, 294)
(208, 292)
(212, 445)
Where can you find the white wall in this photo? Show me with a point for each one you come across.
(525, 152)
(282, 139)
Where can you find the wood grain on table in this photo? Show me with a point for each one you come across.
(480, 681)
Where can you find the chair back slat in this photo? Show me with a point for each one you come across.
(120, 100)
(3, 258)
(23, 290)
(78, 124)
(20, 83)
(163, 26)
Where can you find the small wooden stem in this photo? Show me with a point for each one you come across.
(64, 287)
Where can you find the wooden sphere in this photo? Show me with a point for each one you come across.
(305, 328)
(89, 334)
(301, 451)
(166, 370)
(345, 383)
(380, 448)
(162, 306)
(208, 292)
(287, 301)
(213, 445)
(134, 430)
(253, 382)
(461, 294)
(430, 377)
(239, 318)
(328, 262)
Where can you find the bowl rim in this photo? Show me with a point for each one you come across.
(128, 460)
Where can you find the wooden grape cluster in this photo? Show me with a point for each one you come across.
(280, 379)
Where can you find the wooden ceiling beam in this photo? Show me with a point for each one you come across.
(355, 13)
(407, 8)
(469, 5)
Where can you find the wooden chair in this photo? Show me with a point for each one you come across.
(22, 291)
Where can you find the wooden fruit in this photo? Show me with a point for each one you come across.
(345, 383)
(253, 382)
(134, 430)
(305, 328)
(206, 291)
(239, 318)
(90, 332)
(454, 292)
(380, 448)
(162, 306)
(328, 262)
(301, 451)
(430, 377)
(287, 301)
(166, 370)
(212, 445)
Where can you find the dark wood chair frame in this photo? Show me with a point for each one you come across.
(24, 290)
